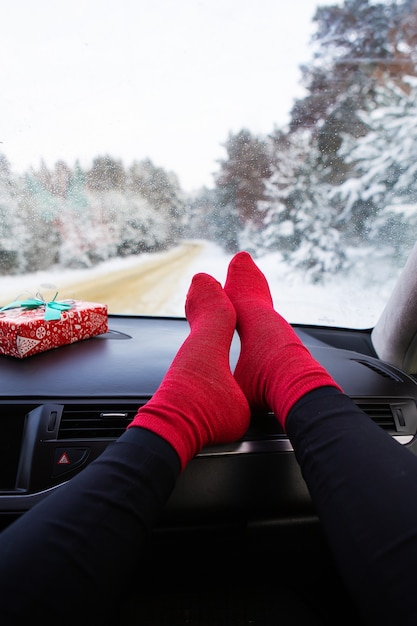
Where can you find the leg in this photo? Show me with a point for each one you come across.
(364, 487)
(363, 483)
(68, 559)
(89, 535)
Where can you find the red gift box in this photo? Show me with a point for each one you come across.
(24, 332)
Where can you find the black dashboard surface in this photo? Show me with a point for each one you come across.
(75, 399)
(132, 358)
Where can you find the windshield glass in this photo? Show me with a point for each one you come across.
(142, 142)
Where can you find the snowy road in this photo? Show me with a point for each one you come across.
(147, 284)
(142, 288)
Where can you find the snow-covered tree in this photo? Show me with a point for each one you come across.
(355, 44)
(13, 232)
(40, 210)
(141, 228)
(212, 215)
(385, 168)
(242, 175)
(288, 154)
(105, 174)
(299, 221)
(161, 190)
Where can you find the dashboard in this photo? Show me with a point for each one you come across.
(61, 408)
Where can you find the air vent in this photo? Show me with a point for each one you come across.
(380, 413)
(396, 415)
(382, 371)
(95, 421)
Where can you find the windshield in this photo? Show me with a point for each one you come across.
(142, 142)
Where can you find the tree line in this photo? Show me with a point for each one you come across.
(341, 174)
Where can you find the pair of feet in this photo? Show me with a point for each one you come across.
(200, 401)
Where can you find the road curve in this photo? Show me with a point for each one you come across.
(142, 288)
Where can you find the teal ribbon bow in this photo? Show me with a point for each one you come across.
(53, 308)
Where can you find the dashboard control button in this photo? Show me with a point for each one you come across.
(68, 459)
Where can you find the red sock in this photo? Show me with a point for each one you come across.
(274, 368)
(199, 402)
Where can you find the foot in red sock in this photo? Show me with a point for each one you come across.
(274, 368)
(199, 402)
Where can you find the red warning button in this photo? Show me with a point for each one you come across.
(68, 459)
(64, 459)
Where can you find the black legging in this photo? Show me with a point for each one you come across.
(364, 487)
(68, 558)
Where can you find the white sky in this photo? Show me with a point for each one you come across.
(160, 79)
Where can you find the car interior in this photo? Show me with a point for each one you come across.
(239, 535)
(240, 512)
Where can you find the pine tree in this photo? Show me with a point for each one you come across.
(13, 234)
(242, 175)
(76, 192)
(288, 154)
(161, 190)
(355, 44)
(214, 217)
(105, 174)
(383, 194)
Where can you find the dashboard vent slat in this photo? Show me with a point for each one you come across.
(398, 416)
(95, 421)
(379, 413)
(382, 371)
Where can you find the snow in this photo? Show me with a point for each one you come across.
(351, 301)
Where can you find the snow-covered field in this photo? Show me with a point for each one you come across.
(354, 300)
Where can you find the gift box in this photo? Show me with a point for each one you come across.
(33, 326)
